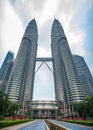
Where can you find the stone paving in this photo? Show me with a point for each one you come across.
(36, 125)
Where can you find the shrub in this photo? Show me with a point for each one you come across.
(12, 122)
(81, 122)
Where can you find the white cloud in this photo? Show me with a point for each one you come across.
(42, 52)
(45, 11)
(11, 30)
(76, 42)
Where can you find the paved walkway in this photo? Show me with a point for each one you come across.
(36, 125)
(39, 125)
(72, 126)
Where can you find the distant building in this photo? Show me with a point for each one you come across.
(10, 55)
(67, 83)
(6, 75)
(85, 75)
(21, 82)
(5, 70)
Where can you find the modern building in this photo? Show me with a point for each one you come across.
(10, 55)
(21, 82)
(43, 109)
(6, 74)
(67, 83)
(66, 78)
(85, 75)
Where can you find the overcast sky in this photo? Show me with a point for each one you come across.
(76, 17)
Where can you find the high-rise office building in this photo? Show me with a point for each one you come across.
(6, 75)
(66, 78)
(21, 82)
(10, 55)
(85, 75)
(67, 84)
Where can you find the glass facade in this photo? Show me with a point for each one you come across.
(85, 75)
(6, 75)
(67, 84)
(10, 55)
(21, 82)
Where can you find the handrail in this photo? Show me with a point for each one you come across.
(46, 126)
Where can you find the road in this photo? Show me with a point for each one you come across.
(36, 125)
(39, 125)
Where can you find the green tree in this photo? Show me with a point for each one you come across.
(28, 113)
(7, 107)
(85, 108)
(60, 115)
(4, 104)
(13, 108)
(89, 106)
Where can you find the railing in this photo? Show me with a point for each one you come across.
(46, 126)
(54, 126)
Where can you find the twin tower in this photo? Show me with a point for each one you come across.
(66, 80)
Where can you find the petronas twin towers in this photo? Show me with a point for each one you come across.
(22, 78)
(66, 80)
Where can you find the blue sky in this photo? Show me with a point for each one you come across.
(76, 17)
(88, 28)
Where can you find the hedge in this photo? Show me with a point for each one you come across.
(81, 122)
(13, 122)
